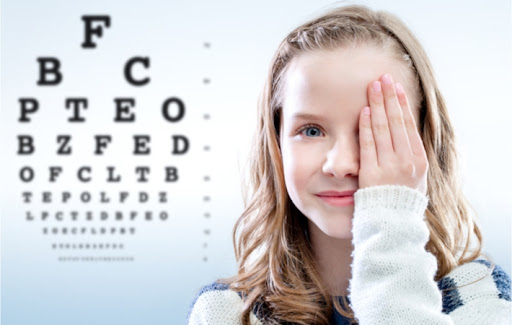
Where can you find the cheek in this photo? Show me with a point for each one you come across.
(299, 165)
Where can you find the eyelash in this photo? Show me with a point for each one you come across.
(309, 126)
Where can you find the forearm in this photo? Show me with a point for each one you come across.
(392, 273)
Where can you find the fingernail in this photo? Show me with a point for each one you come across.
(399, 88)
(387, 79)
(366, 111)
(376, 86)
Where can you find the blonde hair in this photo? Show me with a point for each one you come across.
(276, 264)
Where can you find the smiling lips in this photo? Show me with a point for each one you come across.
(336, 198)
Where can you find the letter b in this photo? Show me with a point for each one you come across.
(49, 67)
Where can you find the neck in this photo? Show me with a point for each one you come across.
(334, 260)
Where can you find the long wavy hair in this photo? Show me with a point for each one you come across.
(277, 277)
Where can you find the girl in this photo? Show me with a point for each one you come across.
(356, 212)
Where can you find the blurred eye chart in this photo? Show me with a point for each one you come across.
(120, 169)
(126, 128)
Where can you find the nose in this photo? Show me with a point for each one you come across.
(342, 159)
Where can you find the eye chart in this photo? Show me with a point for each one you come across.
(123, 177)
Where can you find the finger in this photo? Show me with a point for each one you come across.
(399, 136)
(417, 147)
(380, 128)
(368, 152)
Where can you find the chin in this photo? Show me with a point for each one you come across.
(339, 228)
(339, 234)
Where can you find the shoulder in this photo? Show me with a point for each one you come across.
(476, 287)
(216, 304)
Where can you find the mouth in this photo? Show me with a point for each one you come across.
(336, 198)
(336, 193)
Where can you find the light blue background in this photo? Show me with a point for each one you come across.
(469, 43)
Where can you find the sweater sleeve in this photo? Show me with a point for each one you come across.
(392, 273)
(216, 304)
(477, 293)
(216, 307)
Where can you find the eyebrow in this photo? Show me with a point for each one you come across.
(307, 116)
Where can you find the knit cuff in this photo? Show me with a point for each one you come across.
(396, 197)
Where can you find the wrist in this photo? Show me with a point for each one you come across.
(396, 197)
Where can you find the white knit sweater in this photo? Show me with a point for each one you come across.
(392, 273)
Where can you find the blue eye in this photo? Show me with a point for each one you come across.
(311, 131)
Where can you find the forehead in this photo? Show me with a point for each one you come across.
(340, 77)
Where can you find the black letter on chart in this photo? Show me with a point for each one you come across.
(81, 177)
(128, 70)
(171, 174)
(142, 171)
(75, 103)
(49, 66)
(25, 145)
(111, 178)
(23, 174)
(54, 172)
(26, 108)
(124, 109)
(89, 30)
(140, 144)
(64, 149)
(181, 109)
(26, 196)
(176, 139)
(101, 144)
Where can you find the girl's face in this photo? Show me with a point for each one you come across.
(324, 93)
